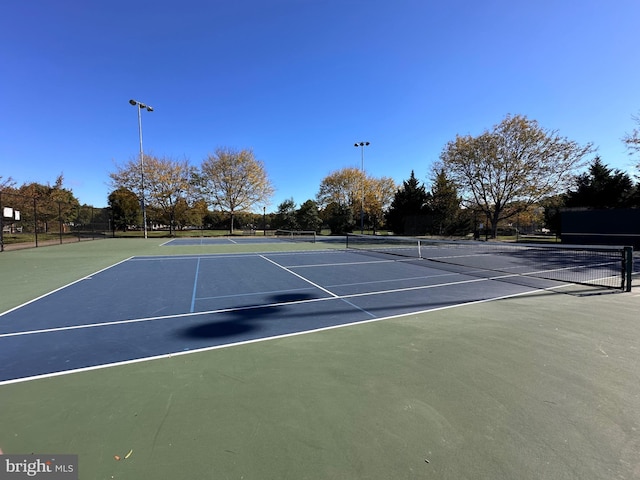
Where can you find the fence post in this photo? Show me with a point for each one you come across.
(35, 219)
(60, 222)
(78, 223)
(628, 268)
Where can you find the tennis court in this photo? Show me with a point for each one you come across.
(300, 361)
(150, 306)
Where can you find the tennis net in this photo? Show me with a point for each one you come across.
(297, 235)
(602, 266)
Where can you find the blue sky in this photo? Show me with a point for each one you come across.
(299, 81)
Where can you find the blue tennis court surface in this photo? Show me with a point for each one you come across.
(158, 305)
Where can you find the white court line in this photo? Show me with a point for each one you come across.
(338, 264)
(255, 294)
(160, 317)
(343, 298)
(195, 287)
(252, 307)
(86, 277)
(393, 280)
(218, 256)
(299, 276)
(476, 270)
(258, 340)
(333, 297)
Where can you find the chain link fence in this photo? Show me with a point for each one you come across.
(37, 221)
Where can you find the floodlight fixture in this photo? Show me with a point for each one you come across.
(149, 108)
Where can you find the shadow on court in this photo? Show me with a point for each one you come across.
(292, 312)
(243, 321)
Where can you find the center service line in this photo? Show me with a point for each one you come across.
(321, 288)
(195, 286)
(300, 276)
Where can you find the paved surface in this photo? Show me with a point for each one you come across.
(532, 387)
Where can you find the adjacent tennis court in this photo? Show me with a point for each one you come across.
(301, 361)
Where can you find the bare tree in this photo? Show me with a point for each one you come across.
(632, 141)
(234, 181)
(166, 182)
(6, 183)
(517, 161)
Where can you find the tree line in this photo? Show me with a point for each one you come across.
(232, 185)
(47, 208)
(176, 192)
(512, 174)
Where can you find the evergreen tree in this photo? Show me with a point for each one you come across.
(339, 218)
(308, 217)
(552, 206)
(602, 187)
(410, 199)
(444, 203)
(286, 215)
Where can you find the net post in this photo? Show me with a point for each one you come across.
(627, 268)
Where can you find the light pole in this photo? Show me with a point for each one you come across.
(149, 108)
(362, 145)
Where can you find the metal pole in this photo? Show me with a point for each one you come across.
(144, 208)
(60, 222)
(486, 229)
(362, 145)
(362, 199)
(627, 266)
